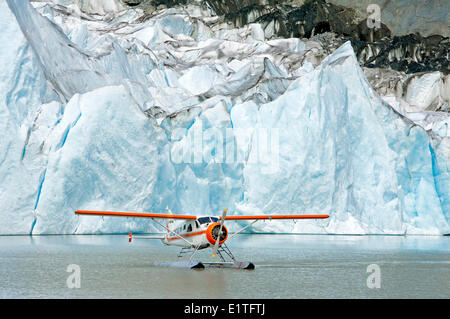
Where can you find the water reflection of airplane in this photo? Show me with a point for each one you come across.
(200, 232)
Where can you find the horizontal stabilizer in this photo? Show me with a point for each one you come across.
(150, 237)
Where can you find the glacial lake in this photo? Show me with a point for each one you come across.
(287, 266)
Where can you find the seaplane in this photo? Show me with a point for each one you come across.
(195, 233)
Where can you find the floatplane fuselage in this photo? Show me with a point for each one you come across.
(199, 232)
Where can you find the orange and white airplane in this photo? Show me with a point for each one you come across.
(200, 232)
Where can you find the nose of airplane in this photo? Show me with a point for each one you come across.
(212, 232)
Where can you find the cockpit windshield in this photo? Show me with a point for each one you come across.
(205, 220)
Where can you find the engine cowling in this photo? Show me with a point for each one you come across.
(213, 230)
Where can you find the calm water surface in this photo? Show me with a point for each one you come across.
(287, 266)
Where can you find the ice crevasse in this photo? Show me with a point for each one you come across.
(336, 147)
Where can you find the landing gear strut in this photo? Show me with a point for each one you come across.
(224, 251)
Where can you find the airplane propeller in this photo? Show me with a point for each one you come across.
(216, 245)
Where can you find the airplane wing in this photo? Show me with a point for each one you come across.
(270, 217)
(174, 216)
(127, 214)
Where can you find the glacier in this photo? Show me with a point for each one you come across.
(104, 110)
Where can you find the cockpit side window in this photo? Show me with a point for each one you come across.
(189, 228)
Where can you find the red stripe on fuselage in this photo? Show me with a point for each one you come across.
(186, 235)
